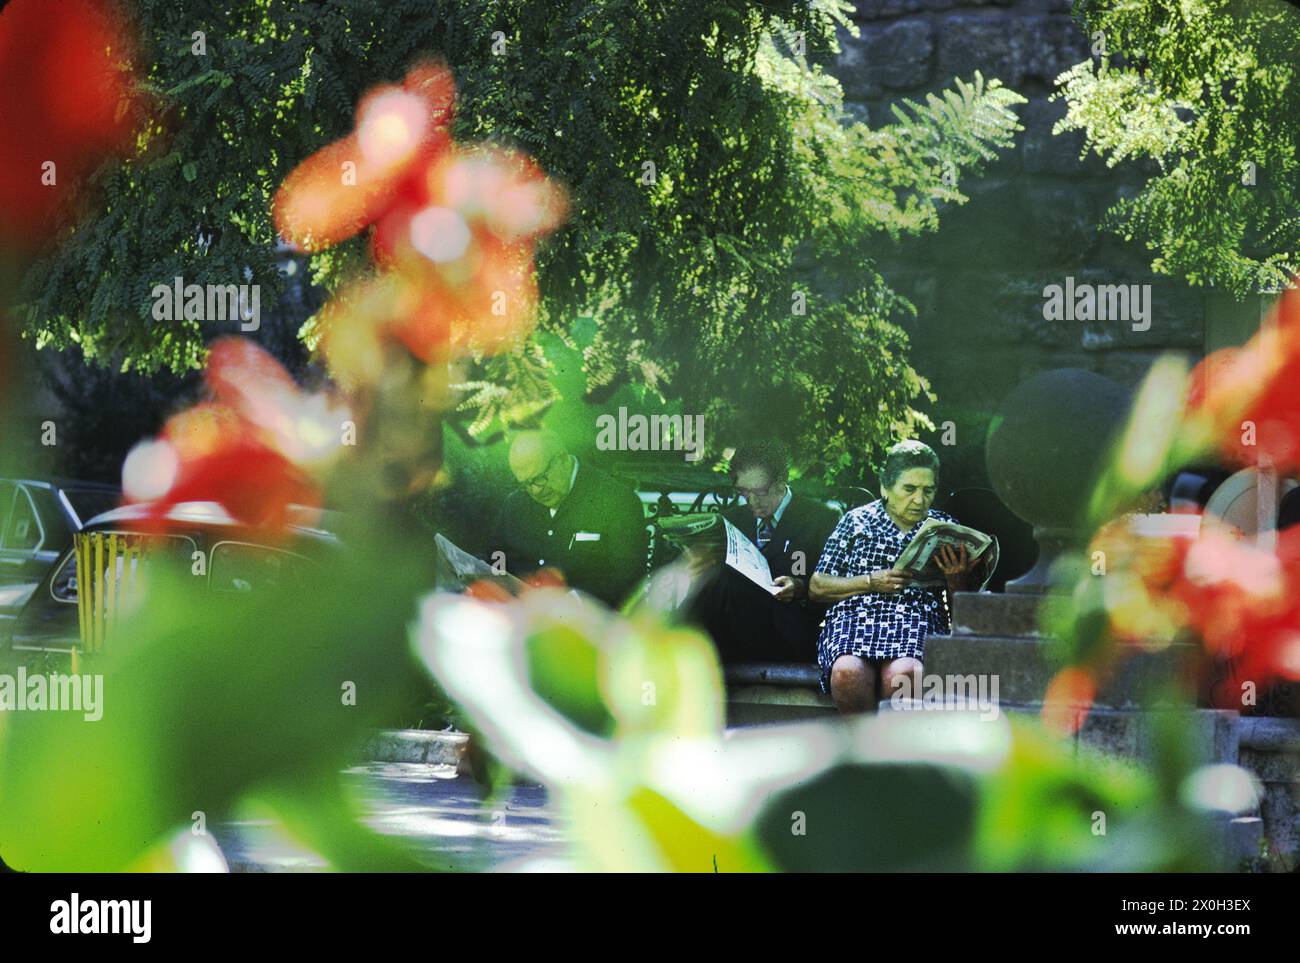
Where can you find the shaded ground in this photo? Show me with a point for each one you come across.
(441, 816)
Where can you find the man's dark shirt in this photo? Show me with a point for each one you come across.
(598, 537)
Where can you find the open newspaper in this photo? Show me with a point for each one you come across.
(710, 532)
(920, 558)
(456, 569)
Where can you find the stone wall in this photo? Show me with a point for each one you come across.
(1033, 218)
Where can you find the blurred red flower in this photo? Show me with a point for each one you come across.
(465, 237)
(1242, 600)
(69, 101)
(342, 188)
(1244, 603)
(1245, 402)
(252, 449)
(454, 230)
(1067, 700)
(545, 578)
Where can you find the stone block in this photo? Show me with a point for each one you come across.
(892, 58)
(868, 10)
(1061, 224)
(772, 713)
(986, 308)
(1095, 334)
(1280, 810)
(1243, 841)
(1042, 360)
(415, 745)
(1271, 767)
(1208, 735)
(1111, 733)
(1054, 154)
(1126, 367)
(1271, 734)
(1024, 669)
(994, 614)
(1131, 734)
(1177, 314)
(1016, 50)
(1013, 308)
(989, 230)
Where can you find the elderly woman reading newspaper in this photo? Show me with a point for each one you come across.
(874, 634)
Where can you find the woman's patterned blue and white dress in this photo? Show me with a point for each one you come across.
(876, 625)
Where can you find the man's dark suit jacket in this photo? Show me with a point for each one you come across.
(598, 537)
(745, 622)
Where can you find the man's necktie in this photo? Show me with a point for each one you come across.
(765, 530)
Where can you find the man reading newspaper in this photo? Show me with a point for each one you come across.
(750, 565)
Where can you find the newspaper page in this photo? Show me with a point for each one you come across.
(709, 532)
(744, 556)
(457, 569)
(918, 558)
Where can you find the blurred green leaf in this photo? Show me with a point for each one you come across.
(861, 817)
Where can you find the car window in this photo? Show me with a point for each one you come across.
(240, 567)
(89, 502)
(172, 551)
(64, 584)
(23, 533)
(52, 515)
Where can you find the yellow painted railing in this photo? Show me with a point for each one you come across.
(108, 576)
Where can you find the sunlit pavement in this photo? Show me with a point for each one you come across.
(440, 815)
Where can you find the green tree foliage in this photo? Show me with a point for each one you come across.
(1207, 89)
(739, 278)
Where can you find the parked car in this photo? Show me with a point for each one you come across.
(37, 522)
(235, 560)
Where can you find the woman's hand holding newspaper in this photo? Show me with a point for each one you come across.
(954, 564)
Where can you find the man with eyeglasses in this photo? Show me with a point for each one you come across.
(569, 515)
(746, 623)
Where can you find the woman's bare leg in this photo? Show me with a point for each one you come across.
(853, 685)
(904, 673)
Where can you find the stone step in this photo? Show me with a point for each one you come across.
(1023, 669)
(1210, 736)
(995, 614)
(769, 702)
(1242, 842)
(415, 745)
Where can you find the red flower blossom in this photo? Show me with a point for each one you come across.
(1244, 602)
(546, 578)
(465, 238)
(221, 461)
(1245, 402)
(485, 590)
(1240, 599)
(252, 449)
(346, 185)
(454, 231)
(69, 101)
(1068, 699)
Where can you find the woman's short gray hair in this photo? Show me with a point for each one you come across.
(905, 455)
